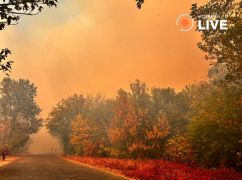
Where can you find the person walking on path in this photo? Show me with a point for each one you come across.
(4, 153)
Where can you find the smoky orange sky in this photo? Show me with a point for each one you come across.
(98, 46)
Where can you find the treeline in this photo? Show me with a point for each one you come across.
(18, 114)
(201, 124)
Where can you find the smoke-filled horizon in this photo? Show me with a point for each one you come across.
(44, 143)
(93, 47)
(144, 89)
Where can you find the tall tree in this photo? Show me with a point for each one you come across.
(214, 129)
(89, 129)
(61, 116)
(81, 123)
(134, 131)
(19, 112)
(171, 105)
(84, 136)
(223, 48)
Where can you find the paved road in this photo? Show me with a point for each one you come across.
(46, 167)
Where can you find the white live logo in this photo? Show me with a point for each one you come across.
(213, 24)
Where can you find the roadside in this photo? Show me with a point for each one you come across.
(99, 168)
(8, 160)
(50, 167)
(153, 169)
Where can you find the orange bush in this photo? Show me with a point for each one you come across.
(157, 169)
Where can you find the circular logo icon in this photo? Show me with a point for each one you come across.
(185, 22)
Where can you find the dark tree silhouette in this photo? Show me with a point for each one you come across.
(222, 48)
(5, 65)
(139, 3)
(10, 13)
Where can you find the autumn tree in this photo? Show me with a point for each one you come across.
(89, 128)
(123, 125)
(18, 112)
(87, 137)
(70, 118)
(83, 135)
(134, 132)
(171, 105)
(179, 149)
(215, 125)
(10, 12)
(61, 116)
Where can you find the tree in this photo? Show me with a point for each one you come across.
(222, 47)
(10, 12)
(179, 149)
(122, 125)
(81, 123)
(83, 135)
(61, 116)
(19, 112)
(215, 126)
(171, 105)
(134, 131)
(89, 129)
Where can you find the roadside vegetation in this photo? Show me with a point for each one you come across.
(199, 125)
(156, 169)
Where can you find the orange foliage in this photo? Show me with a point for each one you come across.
(156, 169)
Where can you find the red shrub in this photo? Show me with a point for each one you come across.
(157, 169)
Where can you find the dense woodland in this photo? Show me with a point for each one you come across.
(200, 124)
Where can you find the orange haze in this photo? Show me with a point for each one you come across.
(91, 46)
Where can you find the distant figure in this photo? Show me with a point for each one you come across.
(51, 150)
(4, 153)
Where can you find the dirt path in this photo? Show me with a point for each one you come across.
(46, 167)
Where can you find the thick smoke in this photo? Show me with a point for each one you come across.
(44, 143)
